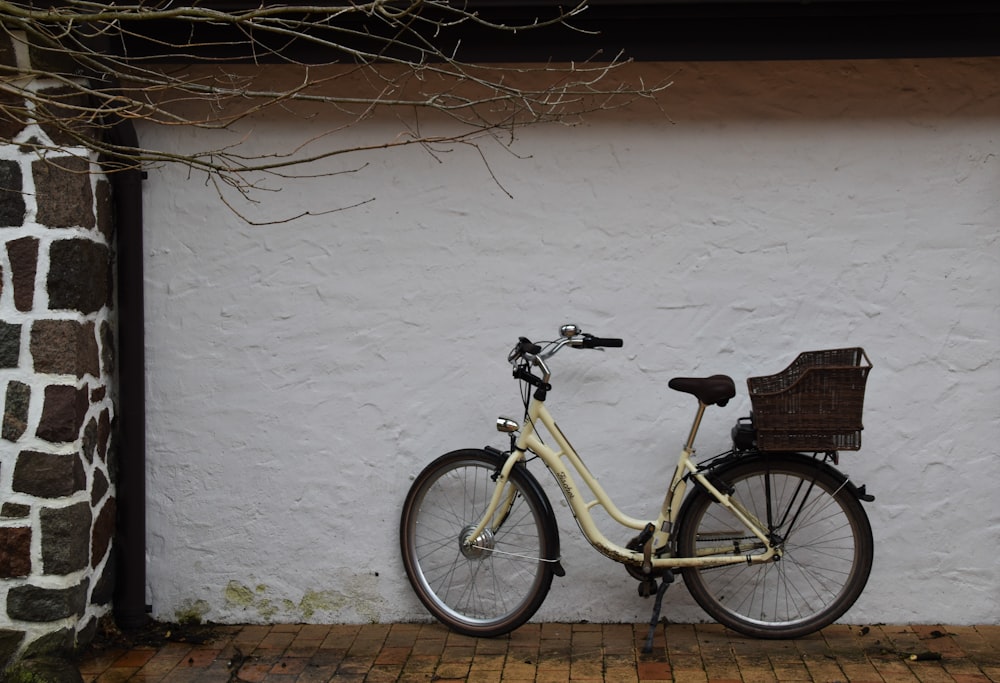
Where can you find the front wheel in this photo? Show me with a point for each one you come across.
(495, 583)
(812, 514)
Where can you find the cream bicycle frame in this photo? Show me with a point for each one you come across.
(556, 461)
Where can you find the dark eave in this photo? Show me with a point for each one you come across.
(705, 30)
(784, 30)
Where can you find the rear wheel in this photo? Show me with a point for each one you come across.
(496, 583)
(812, 515)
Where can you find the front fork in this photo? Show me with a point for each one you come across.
(502, 501)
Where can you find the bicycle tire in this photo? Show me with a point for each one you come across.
(486, 591)
(823, 531)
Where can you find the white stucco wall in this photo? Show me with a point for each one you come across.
(299, 375)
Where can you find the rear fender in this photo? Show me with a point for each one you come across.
(719, 471)
(717, 474)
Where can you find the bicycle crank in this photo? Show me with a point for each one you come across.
(636, 572)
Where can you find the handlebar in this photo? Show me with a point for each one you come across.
(525, 348)
(537, 354)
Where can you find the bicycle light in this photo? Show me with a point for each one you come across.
(507, 425)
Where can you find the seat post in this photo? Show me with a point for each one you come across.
(689, 447)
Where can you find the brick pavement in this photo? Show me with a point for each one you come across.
(550, 653)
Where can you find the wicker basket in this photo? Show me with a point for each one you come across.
(814, 404)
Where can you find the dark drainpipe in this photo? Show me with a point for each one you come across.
(130, 556)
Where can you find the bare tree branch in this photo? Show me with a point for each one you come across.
(92, 65)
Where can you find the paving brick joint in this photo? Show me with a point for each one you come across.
(554, 652)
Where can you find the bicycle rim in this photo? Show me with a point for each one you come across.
(495, 586)
(824, 536)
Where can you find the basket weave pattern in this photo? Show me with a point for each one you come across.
(814, 404)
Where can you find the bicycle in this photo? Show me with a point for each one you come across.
(771, 542)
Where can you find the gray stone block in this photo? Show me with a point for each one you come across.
(47, 668)
(12, 206)
(10, 641)
(15, 410)
(63, 193)
(23, 255)
(79, 275)
(47, 475)
(65, 347)
(39, 605)
(66, 538)
(14, 510)
(15, 552)
(10, 345)
(62, 413)
(51, 644)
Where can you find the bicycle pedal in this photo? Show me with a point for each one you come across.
(647, 588)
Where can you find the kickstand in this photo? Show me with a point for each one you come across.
(668, 578)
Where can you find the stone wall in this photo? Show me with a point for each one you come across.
(57, 497)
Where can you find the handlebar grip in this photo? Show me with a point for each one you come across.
(525, 345)
(595, 342)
